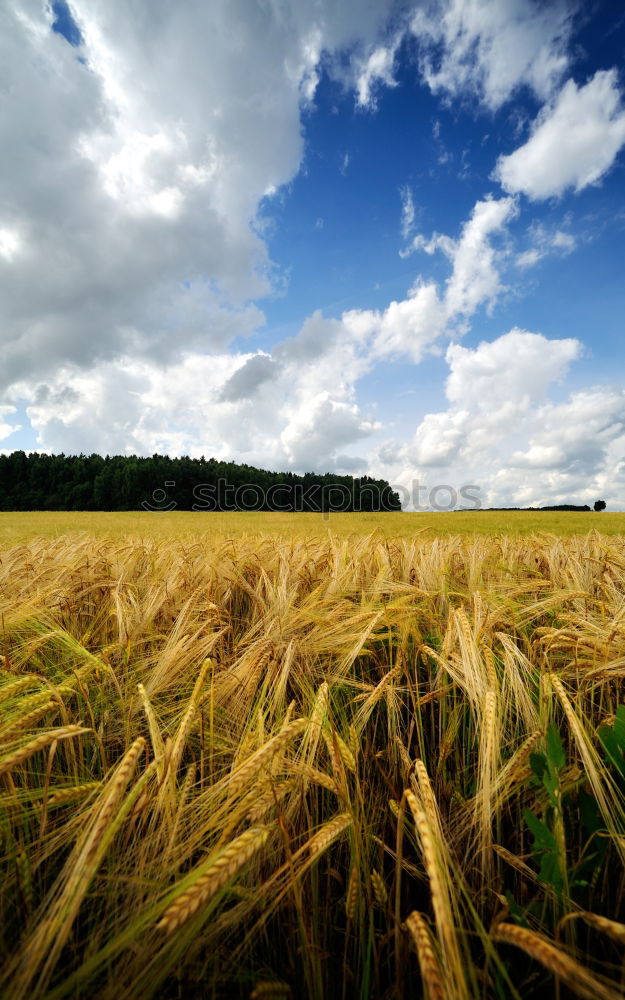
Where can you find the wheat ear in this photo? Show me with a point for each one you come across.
(270, 990)
(19, 756)
(351, 899)
(612, 928)
(379, 889)
(232, 858)
(28, 720)
(63, 795)
(572, 974)
(428, 962)
(432, 849)
(328, 833)
(240, 777)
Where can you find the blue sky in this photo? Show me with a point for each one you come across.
(371, 237)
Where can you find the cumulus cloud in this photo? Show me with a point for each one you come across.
(489, 48)
(249, 377)
(572, 437)
(574, 453)
(139, 158)
(439, 438)
(574, 141)
(132, 253)
(475, 277)
(325, 420)
(295, 407)
(503, 433)
(247, 408)
(507, 376)
(411, 326)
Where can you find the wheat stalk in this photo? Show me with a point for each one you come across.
(111, 797)
(438, 875)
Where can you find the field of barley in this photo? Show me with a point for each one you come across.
(314, 763)
(22, 526)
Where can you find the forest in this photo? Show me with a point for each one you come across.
(37, 481)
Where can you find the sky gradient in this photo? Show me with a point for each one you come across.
(373, 236)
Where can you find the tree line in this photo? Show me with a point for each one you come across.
(90, 482)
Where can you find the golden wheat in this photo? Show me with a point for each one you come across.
(220, 872)
(13, 760)
(297, 746)
(428, 963)
(574, 975)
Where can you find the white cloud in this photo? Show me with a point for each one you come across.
(528, 258)
(491, 47)
(376, 68)
(10, 243)
(507, 377)
(572, 437)
(544, 243)
(475, 278)
(7, 429)
(296, 407)
(286, 413)
(407, 211)
(411, 326)
(503, 433)
(324, 425)
(574, 141)
(138, 162)
(439, 438)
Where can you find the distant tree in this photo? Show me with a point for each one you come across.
(599, 504)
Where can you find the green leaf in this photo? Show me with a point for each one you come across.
(552, 784)
(538, 764)
(611, 743)
(555, 750)
(589, 812)
(619, 722)
(550, 872)
(516, 912)
(544, 840)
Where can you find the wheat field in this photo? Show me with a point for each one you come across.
(324, 765)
